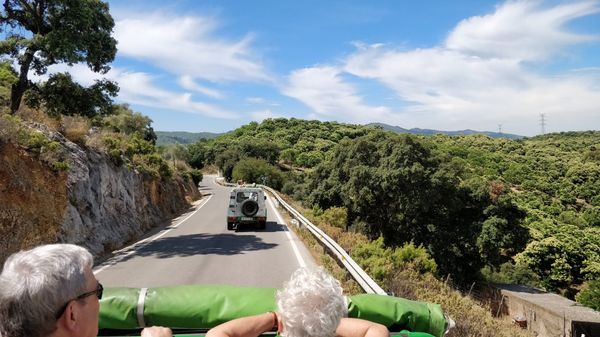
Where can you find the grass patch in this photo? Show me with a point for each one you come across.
(75, 128)
(14, 130)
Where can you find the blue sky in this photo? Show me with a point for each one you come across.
(448, 65)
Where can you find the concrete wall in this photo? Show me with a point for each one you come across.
(540, 321)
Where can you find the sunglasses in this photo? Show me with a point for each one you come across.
(98, 292)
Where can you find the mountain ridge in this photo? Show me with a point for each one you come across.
(431, 132)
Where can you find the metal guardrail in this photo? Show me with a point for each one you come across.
(361, 277)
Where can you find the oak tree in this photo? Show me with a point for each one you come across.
(40, 33)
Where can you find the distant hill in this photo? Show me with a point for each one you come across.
(180, 137)
(429, 132)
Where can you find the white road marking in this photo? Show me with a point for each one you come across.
(131, 249)
(289, 235)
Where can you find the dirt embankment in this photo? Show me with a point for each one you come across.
(94, 203)
(33, 200)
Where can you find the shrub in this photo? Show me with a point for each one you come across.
(61, 166)
(196, 175)
(590, 295)
(152, 164)
(75, 128)
(510, 273)
(335, 216)
(380, 261)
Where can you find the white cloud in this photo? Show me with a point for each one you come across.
(187, 45)
(140, 88)
(323, 90)
(187, 82)
(521, 30)
(478, 80)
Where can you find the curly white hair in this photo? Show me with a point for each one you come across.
(311, 304)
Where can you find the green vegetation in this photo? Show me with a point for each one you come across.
(395, 186)
(60, 95)
(42, 33)
(407, 272)
(253, 169)
(524, 211)
(554, 179)
(292, 141)
(590, 295)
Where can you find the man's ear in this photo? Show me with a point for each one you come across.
(68, 320)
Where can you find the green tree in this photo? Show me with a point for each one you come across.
(60, 95)
(226, 161)
(40, 33)
(255, 170)
(197, 154)
(124, 120)
(402, 191)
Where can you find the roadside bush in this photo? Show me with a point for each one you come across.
(196, 175)
(133, 151)
(380, 261)
(335, 216)
(471, 318)
(590, 295)
(151, 164)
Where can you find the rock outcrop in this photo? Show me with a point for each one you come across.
(95, 203)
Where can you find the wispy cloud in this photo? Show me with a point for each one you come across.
(187, 82)
(187, 45)
(323, 90)
(521, 30)
(140, 88)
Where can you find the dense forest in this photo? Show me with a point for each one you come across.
(514, 211)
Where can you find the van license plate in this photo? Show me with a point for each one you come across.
(247, 219)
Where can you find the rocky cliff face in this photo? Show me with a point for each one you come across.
(96, 203)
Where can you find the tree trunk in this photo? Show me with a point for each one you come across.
(18, 89)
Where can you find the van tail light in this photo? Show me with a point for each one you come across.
(231, 218)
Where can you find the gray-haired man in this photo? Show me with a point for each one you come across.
(51, 290)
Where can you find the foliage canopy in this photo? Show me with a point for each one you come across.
(40, 33)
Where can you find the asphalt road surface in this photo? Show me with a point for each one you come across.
(197, 248)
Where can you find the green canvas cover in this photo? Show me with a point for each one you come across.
(205, 306)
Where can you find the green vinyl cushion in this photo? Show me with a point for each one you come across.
(205, 306)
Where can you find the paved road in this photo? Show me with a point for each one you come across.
(197, 248)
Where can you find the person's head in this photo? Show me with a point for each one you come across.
(311, 304)
(49, 289)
